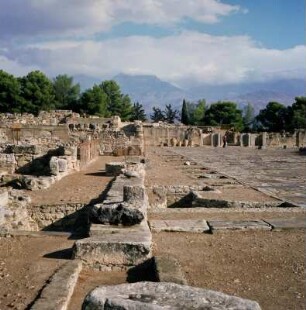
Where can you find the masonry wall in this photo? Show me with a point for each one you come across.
(34, 134)
(57, 217)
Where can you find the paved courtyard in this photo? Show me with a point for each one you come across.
(277, 172)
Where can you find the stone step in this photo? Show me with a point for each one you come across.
(114, 247)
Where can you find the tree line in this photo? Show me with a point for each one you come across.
(274, 117)
(35, 92)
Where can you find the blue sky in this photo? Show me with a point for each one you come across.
(184, 42)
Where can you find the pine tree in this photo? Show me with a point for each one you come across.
(185, 117)
(138, 112)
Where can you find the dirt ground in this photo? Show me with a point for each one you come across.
(261, 265)
(26, 263)
(82, 186)
(264, 266)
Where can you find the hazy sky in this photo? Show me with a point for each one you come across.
(180, 41)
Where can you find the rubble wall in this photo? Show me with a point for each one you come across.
(56, 217)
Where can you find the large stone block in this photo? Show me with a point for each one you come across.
(162, 295)
(114, 247)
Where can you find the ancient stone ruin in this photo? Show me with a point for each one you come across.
(115, 233)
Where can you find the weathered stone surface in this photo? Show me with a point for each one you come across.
(114, 168)
(153, 296)
(239, 225)
(53, 164)
(115, 215)
(62, 165)
(197, 226)
(3, 196)
(35, 183)
(56, 295)
(168, 269)
(114, 247)
(286, 224)
(133, 193)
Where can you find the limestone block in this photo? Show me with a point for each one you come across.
(54, 167)
(117, 247)
(168, 269)
(4, 198)
(62, 165)
(196, 226)
(115, 215)
(56, 295)
(133, 194)
(162, 295)
(287, 224)
(239, 225)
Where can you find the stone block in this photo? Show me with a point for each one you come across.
(238, 225)
(168, 269)
(287, 224)
(114, 247)
(162, 295)
(62, 165)
(193, 226)
(4, 197)
(133, 194)
(57, 293)
(54, 167)
(114, 168)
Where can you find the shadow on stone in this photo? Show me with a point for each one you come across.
(145, 271)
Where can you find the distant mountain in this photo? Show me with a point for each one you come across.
(150, 91)
(86, 81)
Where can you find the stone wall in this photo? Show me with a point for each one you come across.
(58, 217)
(160, 134)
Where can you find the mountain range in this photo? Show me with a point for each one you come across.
(151, 91)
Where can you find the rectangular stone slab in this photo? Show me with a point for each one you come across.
(194, 226)
(285, 224)
(239, 225)
(115, 247)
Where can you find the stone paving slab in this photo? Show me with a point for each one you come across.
(217, 225)
(287, 224)
(56, 295)
(257, 168)
(194, 226)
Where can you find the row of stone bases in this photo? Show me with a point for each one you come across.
(120, 238)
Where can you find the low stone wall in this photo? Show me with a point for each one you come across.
(58, 217)
(122, 246)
